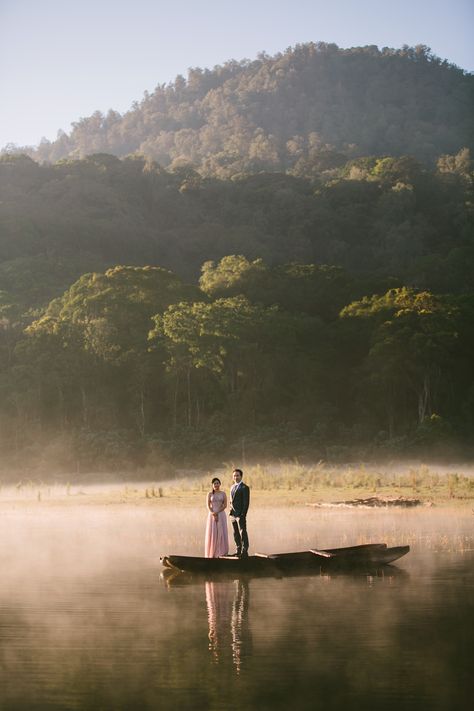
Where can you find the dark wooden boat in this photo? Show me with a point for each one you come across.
(372, 555)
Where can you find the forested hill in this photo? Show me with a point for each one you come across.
(310, 108)
(380, 219)
(280, 253)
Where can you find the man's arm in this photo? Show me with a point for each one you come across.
(245, 500)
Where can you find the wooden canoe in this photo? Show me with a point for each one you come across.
(371, 556)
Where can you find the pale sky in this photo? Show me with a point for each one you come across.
(64, 59)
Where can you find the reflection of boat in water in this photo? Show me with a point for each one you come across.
(369, 556)
(175, 578)
(227, 591)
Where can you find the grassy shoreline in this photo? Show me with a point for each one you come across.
(276, 485)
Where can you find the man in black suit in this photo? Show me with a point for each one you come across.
(239, 504)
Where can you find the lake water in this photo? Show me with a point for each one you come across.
(87, 620)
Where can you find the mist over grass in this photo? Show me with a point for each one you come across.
(82, 539)
(282, 483)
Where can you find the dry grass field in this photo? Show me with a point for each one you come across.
(281, 484)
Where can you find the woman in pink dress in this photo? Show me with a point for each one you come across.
(216, 541)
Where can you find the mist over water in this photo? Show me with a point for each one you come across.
(88, 621)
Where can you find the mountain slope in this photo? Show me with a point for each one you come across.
(312, 107)
(382, 218)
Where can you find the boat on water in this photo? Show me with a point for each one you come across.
(371, 555)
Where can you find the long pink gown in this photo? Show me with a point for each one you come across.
(217, 541)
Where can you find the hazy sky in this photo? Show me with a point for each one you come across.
(64, 59)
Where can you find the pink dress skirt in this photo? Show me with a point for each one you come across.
(217, 541)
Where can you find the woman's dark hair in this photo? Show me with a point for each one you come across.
(216, 479)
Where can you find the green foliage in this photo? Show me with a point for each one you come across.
(111, 450)
(317, 290)
(306, 110)
(395, 223)
(334, 312)
(414, 345)
(137, 369)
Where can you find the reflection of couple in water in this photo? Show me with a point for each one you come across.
(227, 611)
(217, 540)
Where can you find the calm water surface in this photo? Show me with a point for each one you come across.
(87, 620)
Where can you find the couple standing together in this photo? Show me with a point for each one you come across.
(217, 540)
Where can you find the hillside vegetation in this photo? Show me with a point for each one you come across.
(279, 265)
(380, 219)
(310, 108)
(344, 328)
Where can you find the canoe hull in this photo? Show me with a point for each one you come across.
(313, 561)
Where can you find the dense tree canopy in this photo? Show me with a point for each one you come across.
(380, 219)
(305, 110)
(132, 367)
(280, 262)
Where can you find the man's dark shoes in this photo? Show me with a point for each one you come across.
(244, 554)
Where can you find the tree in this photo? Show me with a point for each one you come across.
(414, 336)
(246, 352)
(317, 290)
(105, 320)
